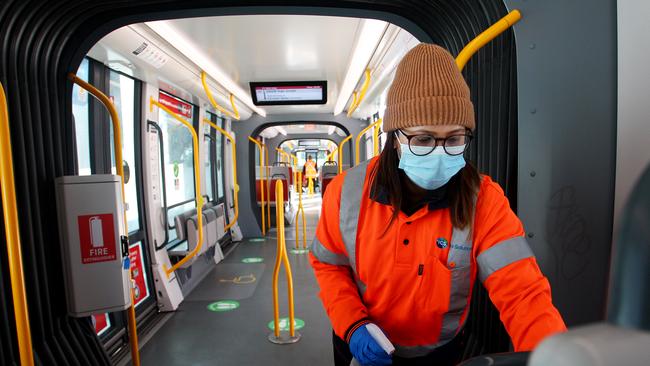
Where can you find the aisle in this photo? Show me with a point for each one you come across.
(196, 335)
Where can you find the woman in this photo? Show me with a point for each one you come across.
(403, 237)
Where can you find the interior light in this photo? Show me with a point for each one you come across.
(371, 32)
(331, 130)
(188, 48)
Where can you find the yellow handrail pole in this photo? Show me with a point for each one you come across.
(341, 153)
(489, 34)
(12, 234)
(197, 187)
(300, 210)
(284, 154)
(214, 102)
(267, 177)
(259, 146)
(357, 140)
(330, 157)
(295, 170)
(234, 107)
(119, 165)
(375, 139)
(362, 94)
(234, 169)
(281, 256)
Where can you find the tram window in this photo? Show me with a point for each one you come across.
(219, 148)
(122, 92)
(179, 161)
(209, 186)
(81, 113)
(209, 137)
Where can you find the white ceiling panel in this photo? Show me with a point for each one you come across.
(277, 48)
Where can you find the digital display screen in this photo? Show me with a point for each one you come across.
(287, 93)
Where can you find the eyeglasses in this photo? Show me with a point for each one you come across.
(424, 144)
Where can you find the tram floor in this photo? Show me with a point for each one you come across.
(196, 335)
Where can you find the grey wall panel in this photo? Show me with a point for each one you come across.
(566, 70)
(633, 128)
(249, 213)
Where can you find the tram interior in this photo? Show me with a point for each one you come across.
(231, 129)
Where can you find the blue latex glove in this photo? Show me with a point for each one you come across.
(366, 350)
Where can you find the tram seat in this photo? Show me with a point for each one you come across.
(282, 173)
(327, 172)
(187, 229)
(284, 164)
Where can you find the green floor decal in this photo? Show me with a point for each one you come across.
(225, 305)
(284, 324)
(256, 239)
(253, 260)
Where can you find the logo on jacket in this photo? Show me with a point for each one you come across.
(441, 243)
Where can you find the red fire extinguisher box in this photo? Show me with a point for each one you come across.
(95, 251)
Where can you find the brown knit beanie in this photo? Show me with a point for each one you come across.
(428, 89)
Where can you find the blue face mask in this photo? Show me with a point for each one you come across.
(430, 171)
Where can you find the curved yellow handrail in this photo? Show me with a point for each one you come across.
(357, 140)
(268, 184)
(234, 169)
(295, 170)
(259, 146)
(485, 37)
(117, 146)
(300, 210)
(284, 153)
(214, 103)
(362, 94)
(341, 153)
(197, 187)
(234, 107)
(281, 256)
(12, 234)
(330, 157)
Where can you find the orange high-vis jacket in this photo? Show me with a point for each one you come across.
(414, 279)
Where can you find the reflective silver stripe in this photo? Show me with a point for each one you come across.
(502, 254)
(459, 263)
(350, 207)
(326, 256)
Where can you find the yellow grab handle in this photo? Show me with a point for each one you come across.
(358, 140)
(12, 236)
(197, 186)
(330, 157)
(281, 256)
(234, 168)
(214, 103)
(364, 88)
(341, 152)
(485, 37)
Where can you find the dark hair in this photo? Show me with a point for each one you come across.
(461, 190)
